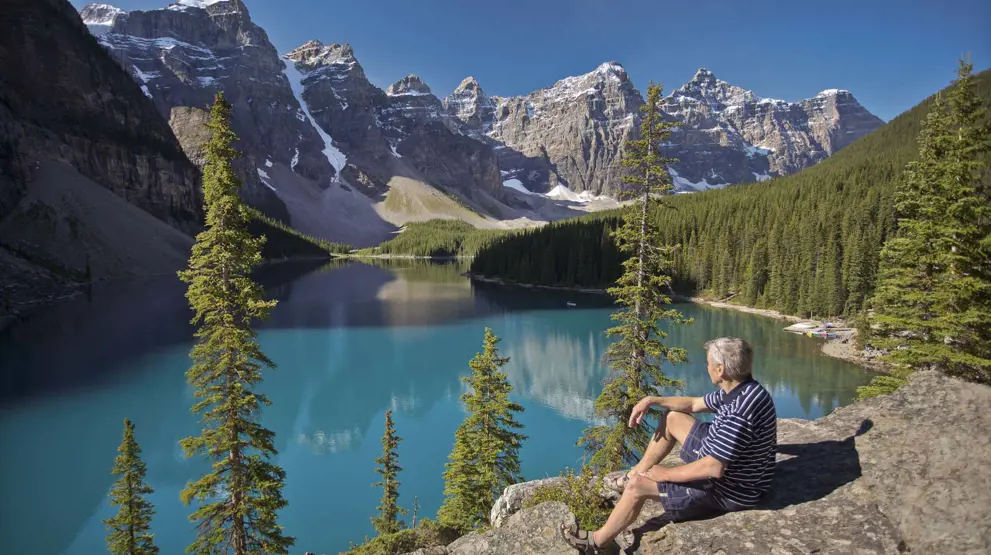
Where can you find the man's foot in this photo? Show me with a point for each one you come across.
(582, 540)
(617, 482)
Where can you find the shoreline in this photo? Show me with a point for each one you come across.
(21, 311)
(842, 347)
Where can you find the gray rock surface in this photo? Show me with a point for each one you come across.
(182, 55)
(730, 135)
(65, 101)
(403, 131)
(533, 530)
(571, 133)
(896, 474)
(513, 498)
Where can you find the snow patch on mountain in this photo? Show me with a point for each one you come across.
(99, 18)
(684, 184)
(516, 184)
(198, 3)
(336, 158)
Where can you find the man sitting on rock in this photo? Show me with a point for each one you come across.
(728, 463)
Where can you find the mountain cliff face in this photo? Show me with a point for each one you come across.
(184, 54)
(73, 104)
(383, 133)
(729, 135)
(316, 113)
(570, 135)
(93, 183)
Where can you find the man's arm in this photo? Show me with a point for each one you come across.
(692, 405)
(679, 404)
(706, 467)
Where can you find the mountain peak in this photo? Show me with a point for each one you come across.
(410, 85)
(705, 76)
(99, 18)
(316, 53)
(468, 84)
(832, 92)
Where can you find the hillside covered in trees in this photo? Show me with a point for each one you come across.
(803, 244)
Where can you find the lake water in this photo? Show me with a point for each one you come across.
(350, 342)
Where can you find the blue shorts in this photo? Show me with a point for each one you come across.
(690, 500)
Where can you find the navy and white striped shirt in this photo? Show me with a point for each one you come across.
(743, 437)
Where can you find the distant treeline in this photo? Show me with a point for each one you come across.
(803, 244)
(437, 238)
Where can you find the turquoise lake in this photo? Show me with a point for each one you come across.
(350, 342)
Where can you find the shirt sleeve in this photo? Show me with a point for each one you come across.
(731, 438)
(712, 400)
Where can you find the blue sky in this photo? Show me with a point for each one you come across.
(889, 53)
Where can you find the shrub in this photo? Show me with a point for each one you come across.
(580, 492)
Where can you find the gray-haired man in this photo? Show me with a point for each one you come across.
(728, 462)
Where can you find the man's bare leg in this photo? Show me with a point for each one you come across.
(673, 426)
(638, 490)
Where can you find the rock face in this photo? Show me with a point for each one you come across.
(730, 135)
(66, 102)
(73, 104)
(184, 54)
(571, 134)
(888, 475)
(404, 130)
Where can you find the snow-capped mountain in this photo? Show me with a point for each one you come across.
(730, 135)
(183, 54)
(311, 123)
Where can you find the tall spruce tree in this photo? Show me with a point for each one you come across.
(387, 521)
(635, 358)
(486, 454)
(128, 533)
(932, 304)
(239, 498)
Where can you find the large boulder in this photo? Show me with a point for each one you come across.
(532, 530)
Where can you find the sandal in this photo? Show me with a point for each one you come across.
(617, 483)
(579, 539)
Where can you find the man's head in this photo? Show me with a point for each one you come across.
(730, 359)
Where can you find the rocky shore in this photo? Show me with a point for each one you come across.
(903, 473)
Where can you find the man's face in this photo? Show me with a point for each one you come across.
(714, 368)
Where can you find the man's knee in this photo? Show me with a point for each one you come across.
(674, 425)
(679, 425)
(641, 487)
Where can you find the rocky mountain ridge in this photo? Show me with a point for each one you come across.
(338, 157)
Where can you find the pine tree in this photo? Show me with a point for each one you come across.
(387, 521)
(636, 358)
(485, 458)
(932, 305)
(129, 531)
(239, 498)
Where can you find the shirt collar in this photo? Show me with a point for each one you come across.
(738, 390)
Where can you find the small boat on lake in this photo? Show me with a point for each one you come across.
(571, 303)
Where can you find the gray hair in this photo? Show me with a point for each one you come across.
(735, 354)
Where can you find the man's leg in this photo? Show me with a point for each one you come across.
(673, 426)
(638, 490)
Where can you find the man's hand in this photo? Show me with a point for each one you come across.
(640, 410)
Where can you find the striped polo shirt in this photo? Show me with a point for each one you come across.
(743, 437)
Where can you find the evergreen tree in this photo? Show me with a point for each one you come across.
(129, 531)
(485, 458)
(636, 358)
(387, 521)
(932, 306)
(239, 498)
